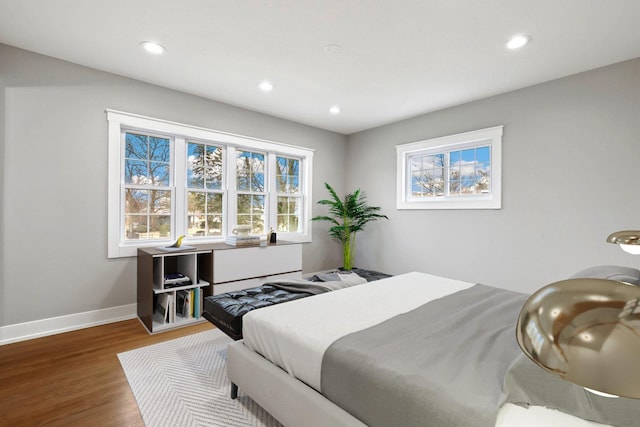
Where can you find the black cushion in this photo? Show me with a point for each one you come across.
(226, 310)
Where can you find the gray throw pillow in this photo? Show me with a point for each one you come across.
(610, 272)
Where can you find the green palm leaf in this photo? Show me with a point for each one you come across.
(348, 215)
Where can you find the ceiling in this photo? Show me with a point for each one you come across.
(396, 58)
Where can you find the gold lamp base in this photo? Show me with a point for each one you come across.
(587, 331)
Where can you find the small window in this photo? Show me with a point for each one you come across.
(461, 171)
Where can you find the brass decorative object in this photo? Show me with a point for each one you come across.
(587, 331)
(629, 240)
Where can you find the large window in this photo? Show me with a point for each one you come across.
(168, 179)
(461, 171)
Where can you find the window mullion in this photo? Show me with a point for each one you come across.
(179, 185)
(447, 174)
(232, 192)
(272, 197)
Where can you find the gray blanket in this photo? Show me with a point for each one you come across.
(302, 285)
(442, 364)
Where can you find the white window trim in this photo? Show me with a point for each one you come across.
(118, 120)
(273, 201)
(492, 135)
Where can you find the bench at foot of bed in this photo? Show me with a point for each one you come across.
(226, 310)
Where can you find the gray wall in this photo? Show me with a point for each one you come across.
(570, 153)
(571, 150)
(53, 153)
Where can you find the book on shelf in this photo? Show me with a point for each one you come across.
(183, 303)
(248, 238)
(172, 309)
(175, 277)
(196, 303)
(193, 302)
(243, 241)
(174, 280)
(163, 307)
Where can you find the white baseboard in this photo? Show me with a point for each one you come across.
(55, 325)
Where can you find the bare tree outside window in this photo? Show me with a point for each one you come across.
(250, 179)
(427, 175)
(470, 171)
(168, 179)
(459, 171)
(205, 174)
(147, 176)
(289, 195)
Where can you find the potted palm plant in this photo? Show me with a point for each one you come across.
(348, 216)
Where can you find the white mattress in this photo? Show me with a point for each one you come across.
(296, 335)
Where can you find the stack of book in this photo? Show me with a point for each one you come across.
(243, 240)
(174, 280)
(188, 303)
(183, 304)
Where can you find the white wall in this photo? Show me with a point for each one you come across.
(53, 152)
(571, 153)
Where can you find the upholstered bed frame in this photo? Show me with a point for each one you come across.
(289, 400)
(294, 403)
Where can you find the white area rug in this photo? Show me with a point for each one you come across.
(183, 382)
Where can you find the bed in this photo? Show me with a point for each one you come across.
(291, 357)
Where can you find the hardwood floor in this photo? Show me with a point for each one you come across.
(75, 378)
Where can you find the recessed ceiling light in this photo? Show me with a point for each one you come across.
(334, 110)
(153, 47)
(266, 86)
(516, 42)
(332, 48)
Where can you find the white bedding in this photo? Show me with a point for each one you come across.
(296, 335)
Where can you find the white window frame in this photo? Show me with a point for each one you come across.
(274, 203)
(479, 138)
(187, 189)
(170, 187)
(233, 187)
(119, 121)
